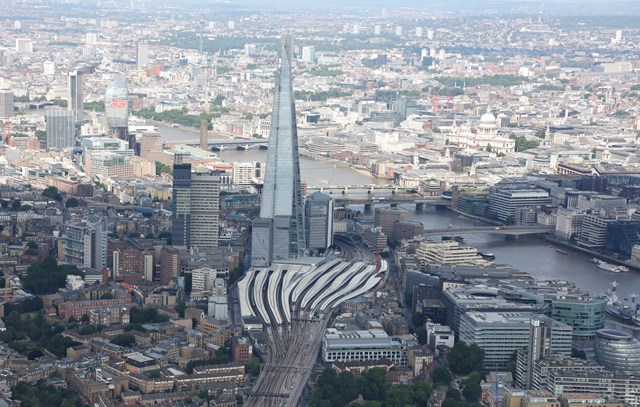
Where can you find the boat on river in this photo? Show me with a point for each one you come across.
(603, 265)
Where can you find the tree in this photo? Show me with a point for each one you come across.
(253, 367)
(421, 334)
(578, 353)
(162, 168)
(441, 375)
(472, 391)
(180, 308)
(464, 358)
(88, 330)
(417, 319)
(106, 296)
(16, 204)
(489, 149)
(125, 340)
(52, 193)
(399, 396)
(454, 394)
(71, 203)
(46, 276)
(166, 235)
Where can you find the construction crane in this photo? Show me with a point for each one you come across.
(434, 102)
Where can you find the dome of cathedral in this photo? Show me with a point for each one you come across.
(488, 121)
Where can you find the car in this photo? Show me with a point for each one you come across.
(497, 228)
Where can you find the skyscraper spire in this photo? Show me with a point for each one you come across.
(279, 232)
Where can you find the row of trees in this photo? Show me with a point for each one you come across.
(178, 116)
(146, 316)
(46, 276)
(42, 395)
(495, 80)
(30, 335)
(222, 356)
(523, 144)
(321, 96)
(95, 106)
(337, 390)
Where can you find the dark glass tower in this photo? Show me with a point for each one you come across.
(278, 233)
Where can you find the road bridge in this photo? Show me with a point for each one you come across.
(394, 200)
(503, 230)
(238, 143)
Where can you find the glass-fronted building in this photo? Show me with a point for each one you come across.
(281, 210)
(584, 316)
(617, 351)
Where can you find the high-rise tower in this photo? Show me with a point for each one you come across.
(76, 95)
(278, 233)
(196, 204)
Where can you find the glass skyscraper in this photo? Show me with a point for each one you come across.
(76, 95)
(278, 233)
(116, 104)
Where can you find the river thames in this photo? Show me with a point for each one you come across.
(530, 254)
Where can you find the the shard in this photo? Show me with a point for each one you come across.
(278, 233)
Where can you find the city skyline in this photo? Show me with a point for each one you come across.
(393, 204)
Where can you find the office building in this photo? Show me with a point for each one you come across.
(6, 103)
(569, 223)
(447, 253)
(60, 128)
(502, 333)
(406, 230)
(585, 316)
(129, 260)
(196, 203)
(593, 234)
(622, 235)
(281, 211)
(151, 146)
(318, 212)
(218, 306)
(308, 54)
(24, 45)
(203, 278)
(617, 351)
(543, 369)
(387, 217)
(169, 264)
(241, 349)
(245, 173)
(503, 202)
(75, 103)
(624, 388)
(356, 346)
(439, 335)
(84, 243)
(548, 339)
(116, 106)
(470, 298)
(142, 55)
